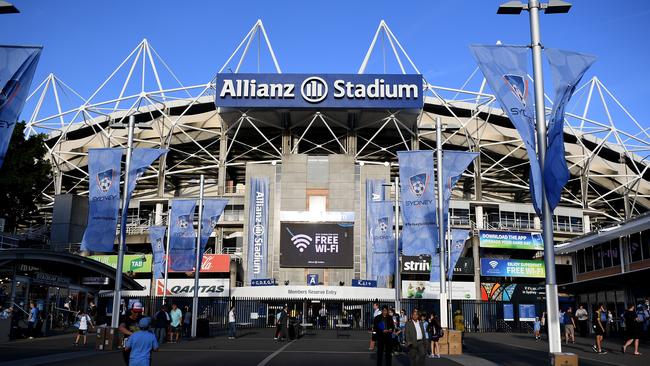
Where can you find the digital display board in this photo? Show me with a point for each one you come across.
(316, 245)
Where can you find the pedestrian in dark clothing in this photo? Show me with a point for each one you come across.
(383, 327)
(161, 323)
(475, 322)
(633, 328)
(283, 322)
(415, 338)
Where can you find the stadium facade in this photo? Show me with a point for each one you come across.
(317, 162)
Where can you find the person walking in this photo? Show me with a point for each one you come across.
(425, 322)
(84, 322)
(187, 321)
(610, 324)
(561, 321)
(32, 320)
(141, 344)
(435, 333)
(283, 321)
(402, 326)
(569, 326)
(537, 327)
(232, 323)
(322, 316)
(373, 337)
(383, 327)
(414, 338)
(475, 322)
(161, 323)
(583, 317)
(633, 327)
(176, 315)
(600, 321)
(129, 324)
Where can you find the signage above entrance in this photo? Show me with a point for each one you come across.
(348, 91)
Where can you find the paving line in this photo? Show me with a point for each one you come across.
(270, 357)
(48, 359)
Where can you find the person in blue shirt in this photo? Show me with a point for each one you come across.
(32, 320)
(141, 343)
(537, 327)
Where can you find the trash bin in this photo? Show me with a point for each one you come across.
(203, 328)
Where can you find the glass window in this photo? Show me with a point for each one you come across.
(598, 256)
(645, 243)
(589, 259)
(563, 223)
(523, 220)
(635, 247)
(607, 255)
(508, 219)
(460, 216)
(576, 224)
(580, 260)
(616, 253)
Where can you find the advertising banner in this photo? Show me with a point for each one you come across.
(157, 239)
(527, 312)
(184, 287)
(212, 210)
(136, 263)
(458, 239)
(315, 293)
(16, 75)
(316, 245)
(512, 268)
(104, 167)
(381, 220)
(258, 227)
(418, 202)
(421, 265)
(494, 291)
(510, 240)
(454, 163)
(431, 290)
(375, 192)
(213, 263)
(384, 91)
(182, 240)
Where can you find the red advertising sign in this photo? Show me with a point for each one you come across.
(214, 263)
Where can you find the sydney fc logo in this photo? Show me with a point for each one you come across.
(518, 85)
(213, 221)
(105, 180)
(184, 221)
(159, 243)
(418, 184)
(382, 224)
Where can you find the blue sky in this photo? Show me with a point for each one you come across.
(85, 40)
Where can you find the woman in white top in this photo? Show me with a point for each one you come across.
(84, 322)
(231, 323)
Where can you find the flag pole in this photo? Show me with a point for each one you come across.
(398, 284)
(169, 210)
(197, 263)
(444, 321)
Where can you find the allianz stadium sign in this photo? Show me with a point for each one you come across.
(309, 91)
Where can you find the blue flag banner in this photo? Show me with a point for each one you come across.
(434, 274)
(141, 159)
(157, 239)
(418, 201)
(16, 74)
(454, 163)
(212, 210)
(374, 192)
(104, 194)
(182, 238)
(567, 69)
(505, 70)
(458, 238)
(381, 219)
(258, 227)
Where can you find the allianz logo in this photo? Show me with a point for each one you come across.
(315, 89)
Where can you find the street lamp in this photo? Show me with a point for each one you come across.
(552, 7)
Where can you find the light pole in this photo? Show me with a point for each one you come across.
(444, 317)
(398, 279)
(552, 7)
(197, 263)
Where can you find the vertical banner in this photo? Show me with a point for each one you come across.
(141, 159)
(212, 210)
(458, 238)
(104, 194)
(374, 192)
(258, 225)
(418, 200)
(454, 163)
(182, 239)
(157, 239)
(505, 70)
(381, 219)
(17, 68)
(567, 69)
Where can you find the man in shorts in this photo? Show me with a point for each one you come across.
(599, 327)
(84, 321)
(176, 316)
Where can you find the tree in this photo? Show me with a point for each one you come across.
(24, 174)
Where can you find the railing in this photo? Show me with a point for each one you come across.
(232, 251)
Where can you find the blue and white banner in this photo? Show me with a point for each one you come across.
(382, 219)
(212, 210)
(141, 159)
(505, 70)
(567, 69)
(258, 227)
(182, 238)
(16, 73)
(418, 201)
(104, 167)
(454, 163)
(375, 191)
(384, 91)
(458, 238)
(157, 239)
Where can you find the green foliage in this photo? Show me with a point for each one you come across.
(24, 174)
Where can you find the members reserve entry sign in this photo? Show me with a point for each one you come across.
(380, 91)
(316, 245)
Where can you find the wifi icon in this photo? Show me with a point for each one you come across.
(301, 241)
(493, 264)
